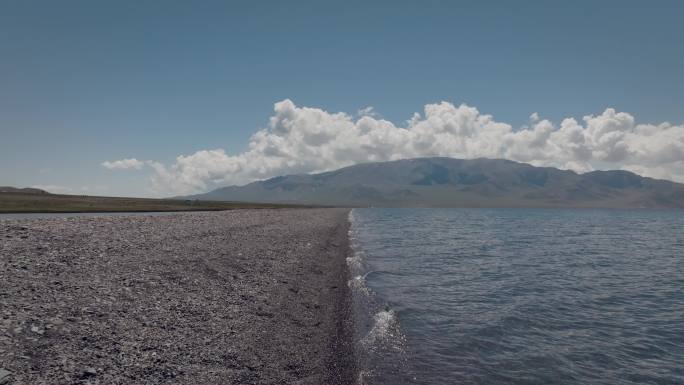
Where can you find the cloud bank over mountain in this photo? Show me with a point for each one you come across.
(304, 139)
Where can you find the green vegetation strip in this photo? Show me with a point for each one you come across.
(53, 203)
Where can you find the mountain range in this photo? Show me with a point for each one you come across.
(448, 182)
(25, 190)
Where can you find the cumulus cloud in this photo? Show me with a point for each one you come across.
(124, 164)
(303, 140)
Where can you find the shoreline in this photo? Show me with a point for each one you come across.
(241, 296)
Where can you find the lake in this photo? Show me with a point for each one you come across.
(518, 296)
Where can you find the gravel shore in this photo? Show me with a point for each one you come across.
(236, 297)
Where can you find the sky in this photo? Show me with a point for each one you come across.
(161, 98)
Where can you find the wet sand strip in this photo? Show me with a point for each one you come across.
(237, 297)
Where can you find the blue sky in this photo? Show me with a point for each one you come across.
(85, 82)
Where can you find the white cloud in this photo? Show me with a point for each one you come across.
(368, 111)
(303, 140)
(124, 164)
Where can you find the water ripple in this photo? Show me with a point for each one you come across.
(516, 296)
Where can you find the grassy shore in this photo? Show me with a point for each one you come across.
(54, 203)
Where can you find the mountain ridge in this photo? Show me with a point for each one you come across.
(450, 182)
(22, 190)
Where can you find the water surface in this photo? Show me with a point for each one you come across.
(519, 296)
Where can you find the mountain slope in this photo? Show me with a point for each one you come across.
(26, 190)
(447, 182)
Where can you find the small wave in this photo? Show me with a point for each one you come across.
(384, 352)
(384, 322)
(355, 262)
(358, 284)
(380, 343)
(364, 375)
(351, 215)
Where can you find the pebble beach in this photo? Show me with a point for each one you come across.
(233, 297)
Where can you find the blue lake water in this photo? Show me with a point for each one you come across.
(519, 296)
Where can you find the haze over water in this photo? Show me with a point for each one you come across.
(521, 296)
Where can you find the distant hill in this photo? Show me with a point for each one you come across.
(447, 182)
(27, 190)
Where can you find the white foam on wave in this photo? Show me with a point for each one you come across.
(358, 284)
(363, 375)
(384, 323)
(351, 233)
(355, 262)
(351, 215)
(380, 343)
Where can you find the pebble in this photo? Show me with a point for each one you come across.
(4, 376)
(89, 372)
